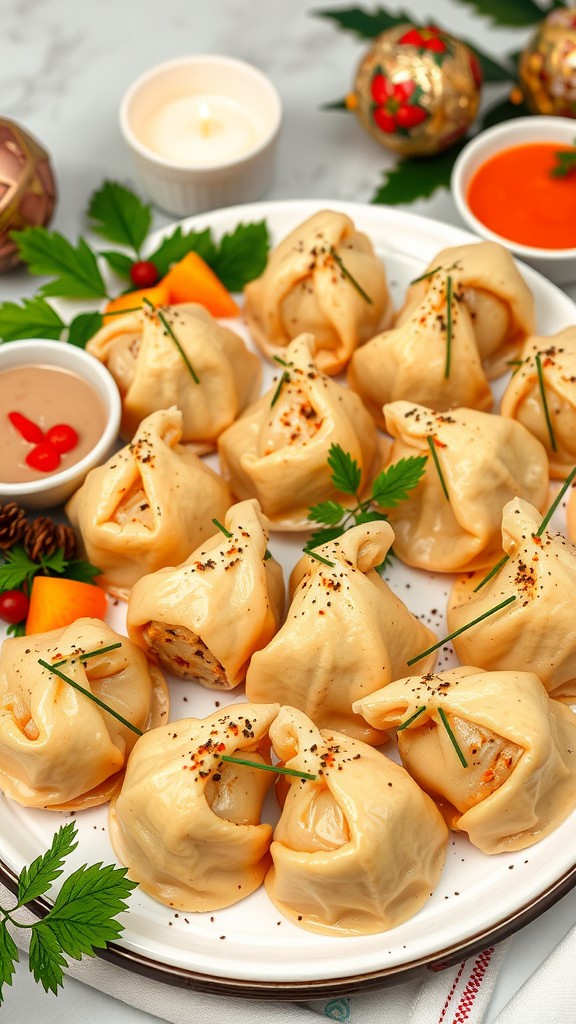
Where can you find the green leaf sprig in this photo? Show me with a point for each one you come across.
(565, 162)
(81, 920)
(269, 767)
(389, 488)
(18, 570)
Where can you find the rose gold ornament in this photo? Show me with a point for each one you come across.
(547, 66)
(27, 188)
(417, 90)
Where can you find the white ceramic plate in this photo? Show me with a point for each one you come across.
(249, 948)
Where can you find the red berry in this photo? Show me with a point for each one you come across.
(62, 437)
(143, 274)
(384, 120)
(43, 457)
(29, 430)
(409, 117)
(14, 606)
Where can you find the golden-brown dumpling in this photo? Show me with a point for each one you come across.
(519, 780)
(346, 634)
(535, 632)
(204, 619)
(305, 288)
(58, 749)
(187, 824)
(277, 451)
(151, 372)
(484, 460)
(487, 283)
(360, 849)
(522, 399)
(149, 506)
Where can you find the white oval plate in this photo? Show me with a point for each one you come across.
(250, 949)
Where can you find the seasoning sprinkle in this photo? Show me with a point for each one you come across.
(453, 739)
(81, 656)
(555, 503)
(92, 696)
(338, 259)
(545, 403)
(319, 558)
(434, 454)
(485, 615)
(448, 326)
(222, 529)
(412, 718)
(269, 767)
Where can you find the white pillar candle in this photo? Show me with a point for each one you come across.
(202, 130)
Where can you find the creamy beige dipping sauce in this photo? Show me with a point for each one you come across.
(47, 395)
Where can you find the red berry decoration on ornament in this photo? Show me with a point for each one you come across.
(143, 274)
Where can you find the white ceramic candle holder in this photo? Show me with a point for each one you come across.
(202, 131)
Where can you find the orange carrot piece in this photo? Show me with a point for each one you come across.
(158, 295)
(56, 602)
(192, 280)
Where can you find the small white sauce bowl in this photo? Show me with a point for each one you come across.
(56, 488)
(557, 264)
(184, 188)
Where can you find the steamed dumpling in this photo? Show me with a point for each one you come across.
(304, 288)
(58, 749)
(523, 401)
(205, 618)
(149, 506)
(187, 824)
(484, 460)
(346, 634)
(277, 451)
(213, 383)
(519, 779)
(358, 850)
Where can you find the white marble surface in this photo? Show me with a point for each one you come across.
(64, 65)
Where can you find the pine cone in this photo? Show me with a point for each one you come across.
(43, 537)
(12, 525)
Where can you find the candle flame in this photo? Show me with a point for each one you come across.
(205, 119)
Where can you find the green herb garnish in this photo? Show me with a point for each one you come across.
(453, 739)
(85, 655)
(81, 920)
(457, 632)
(404, 725)
(425, 276)
(18, 570)
(448, 326)
(545, 402)
(269, 767)
(434, 453)
(566, 162)
(222, 529)
(284, 379)
(91, 696)
(320, 558)
(338, 260)
(493, 571)
(555, 503)
(163, 320)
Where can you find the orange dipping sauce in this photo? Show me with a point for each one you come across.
(514, 194)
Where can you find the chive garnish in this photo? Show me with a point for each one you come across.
(555, 503)
(409, 721)
(92, 696)
(485, 615)
(282, 362)
(429, 273)
(453, 739)
(164, 321)
(89, 654)
(222, 529)
(122, 312)
(495, 569)
(545, 402)
(284, 379)
(434, 454)
(338, 259)
(448, 326)
(319, 558)
(269, 767)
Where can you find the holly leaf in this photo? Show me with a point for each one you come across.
(365, 24)
(73, 267)
(35, 318)
(394, 484)
(328, 512)
(335, 105)
(242, 255)
(515, 13)
(346, 473)
(492, 70)
(175, 246)
(118, 262)
(83, 327)
(505, 110)
(83, 916)
(38, 877)
(45, 958)
(417, 178)
(8, 957)
(118, 214)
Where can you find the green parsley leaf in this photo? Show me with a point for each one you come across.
(83, 327)
(8, 957)
(45, 957)
(242, 255)
(74, 268)
(54, 563)
(118, 262)
(83, 916)
(16, 629)
(35, 318)
(320, 537)
(17, 570)
(368, 516)
(175, 246)
(392, 485)
(36, 879)
(84, 572)
(328, 512)
(116, 213)
(346, 473)
(566, 162)
(415, 178)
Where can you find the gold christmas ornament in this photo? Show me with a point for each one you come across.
(547, 66)
(27, 188)
(417, 90)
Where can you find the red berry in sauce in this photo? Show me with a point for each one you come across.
(27, 429)
(14, 606)
(143, 274)
(62, 437)
(43, 457)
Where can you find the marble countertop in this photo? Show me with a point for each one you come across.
(64, 67)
